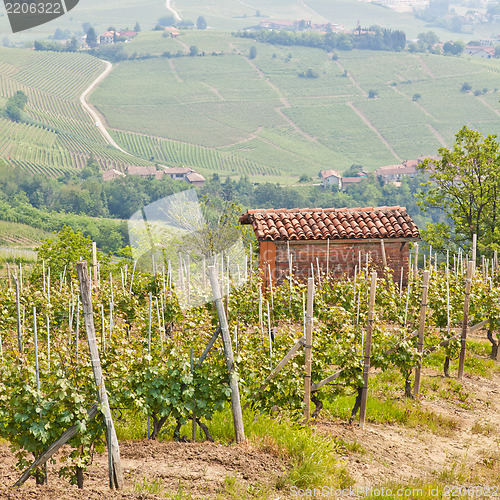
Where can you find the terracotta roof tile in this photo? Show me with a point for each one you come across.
(331, 223)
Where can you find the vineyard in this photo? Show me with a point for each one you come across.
(159, 382)
(59, 136)
(174, 153)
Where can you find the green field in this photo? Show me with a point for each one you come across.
(59, 136)
(259, 115)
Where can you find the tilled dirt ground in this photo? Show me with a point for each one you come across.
(157, 469)
(468, 453)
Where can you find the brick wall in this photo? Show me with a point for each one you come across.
(342, 257)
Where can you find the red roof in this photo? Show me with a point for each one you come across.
(331, 223)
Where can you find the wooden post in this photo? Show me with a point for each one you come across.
(228, 352)
(463, 339)
(37, 366)
(9, 282)
(94, 263)
(384, 258)
(308, 348)
(115, 469)
(18, 316)
(415, 271)
(474, 251)
(327, 258)
(368, 348)
(421, 330)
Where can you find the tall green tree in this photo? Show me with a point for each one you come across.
(465, 184)
(201, 23)
(91, 38)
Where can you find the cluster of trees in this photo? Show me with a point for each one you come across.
(15, 106)
(465, 185)
(71, 45)
(373, 38)
(426, 42)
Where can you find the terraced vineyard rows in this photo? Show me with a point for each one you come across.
(175, 153)
(60, 136)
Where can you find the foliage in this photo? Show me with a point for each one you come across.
(201, 23)
(465, 185)
(15, 106)
(373, 38)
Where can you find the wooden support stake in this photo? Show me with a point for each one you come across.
(368, 348)
(463, 340)
(115, 469)
(384, 258)
(421, 330)
(308, 349)
(18, 316)
(94, 264)
(415, 263)
(228, 352)
(474, 251)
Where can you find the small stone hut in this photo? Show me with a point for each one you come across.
(335, 240)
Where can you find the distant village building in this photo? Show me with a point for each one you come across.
(110, 36)
(107, 37)
(392, 173)
(334, 239)
(331, 178)
(485, 51)
(142, 171)
(185, 174)
(112, 174)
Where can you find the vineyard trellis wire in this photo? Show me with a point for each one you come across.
(161, 383)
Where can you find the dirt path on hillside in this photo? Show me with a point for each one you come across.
(284, 101)
(396, 454)
(425, 67)
(168, 6)
(94, 114)
(375, 129)
(354, 82)
(488, 105)
(438, 136)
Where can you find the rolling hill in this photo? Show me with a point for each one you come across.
(223, 111)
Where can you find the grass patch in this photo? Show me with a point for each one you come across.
(405, 412)
(130, 425)
(310, 455)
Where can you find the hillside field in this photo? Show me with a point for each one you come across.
(261, 116)
(58, 136)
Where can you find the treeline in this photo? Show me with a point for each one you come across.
(82, 201)
(99, 209)
(373, 38)
(370, 192)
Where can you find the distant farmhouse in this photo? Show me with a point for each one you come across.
(392, 173)
(480, 51)
(389, 174)
(185, 174)
(111, 36)
(333, 178)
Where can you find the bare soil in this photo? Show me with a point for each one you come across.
(467, 453)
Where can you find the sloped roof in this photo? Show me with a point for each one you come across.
(329, 173)
(331, 223)
(195, 177)
(397, 169)
(141, 171)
